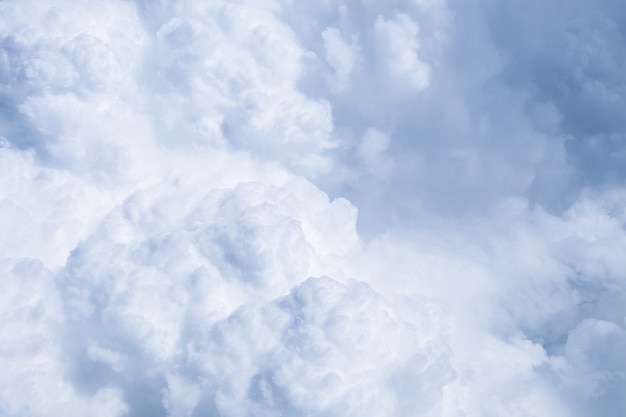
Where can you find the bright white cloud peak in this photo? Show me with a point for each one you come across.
(179, 188)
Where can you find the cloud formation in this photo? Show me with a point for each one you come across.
(336, 209)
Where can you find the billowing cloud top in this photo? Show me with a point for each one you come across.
(179, 190)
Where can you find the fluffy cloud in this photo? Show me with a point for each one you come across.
(342, 56)
(397, 41)
(541, 290)
(320, 351)
(33, 381)
(371, 151)
(179, 189)
(182, 299)
(232, 71)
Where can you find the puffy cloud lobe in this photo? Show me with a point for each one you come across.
(397, 40)
(243, 242)
(232, 69)
(342, 56)
(371, 151)
(72, 207)
(317, 350)
(186, 292)
(71, 49)
(60, 51)
(33, 380)
(136, 305)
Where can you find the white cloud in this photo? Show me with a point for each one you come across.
(179, 189)
(172, 283)
(536, 286)
(398, 43)
(318, 349)
(372, 152)
(342, 56)
(233, 70)
(33, 378)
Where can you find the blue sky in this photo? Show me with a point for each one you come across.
(268, 208)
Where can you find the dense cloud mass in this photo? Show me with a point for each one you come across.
(278, 208)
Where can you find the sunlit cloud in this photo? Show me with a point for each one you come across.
(267, 208)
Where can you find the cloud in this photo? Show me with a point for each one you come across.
(269, 208)
(342, 56)
(190, 291)
(397, 40)
(535, 286)
(33, 380)
(571, 58)
(233, 71)
(323, 355)
(371, 151)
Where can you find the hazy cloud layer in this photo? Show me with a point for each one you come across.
(265, 208)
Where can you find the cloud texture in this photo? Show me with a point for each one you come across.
(267, 208)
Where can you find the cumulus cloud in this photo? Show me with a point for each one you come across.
(33, 381)
(342, 56)
(398, 43)
(372, 152)
(340, 209)
(546, 296)
(192, 296)
(233, 71)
